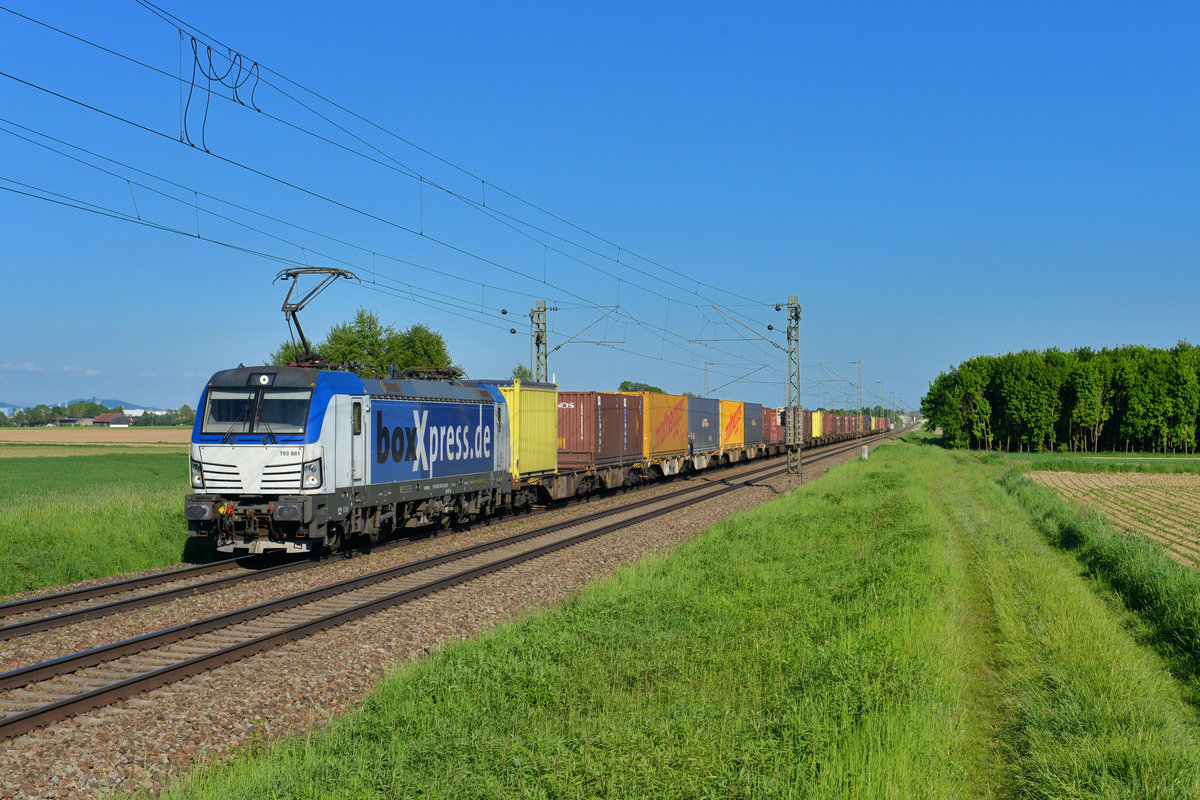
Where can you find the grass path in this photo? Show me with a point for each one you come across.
(975, 622)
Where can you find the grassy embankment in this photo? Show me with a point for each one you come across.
(899, 629)
(73, 517)
(1162, 593)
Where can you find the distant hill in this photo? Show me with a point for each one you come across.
(108, 402)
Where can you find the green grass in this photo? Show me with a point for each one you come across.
(898, 629)
(1107, 462)
(1164, 594)
(70, 518)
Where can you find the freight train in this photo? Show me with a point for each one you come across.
(298, 459)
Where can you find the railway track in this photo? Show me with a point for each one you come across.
(22, 617)
(43, 693)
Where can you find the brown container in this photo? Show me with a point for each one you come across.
(772, 430)
(664, 424)
(598, 429)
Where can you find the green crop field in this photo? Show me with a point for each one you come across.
(925, 624)
(70, 517)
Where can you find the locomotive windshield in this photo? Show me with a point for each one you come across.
(256, 411)
(282, 411)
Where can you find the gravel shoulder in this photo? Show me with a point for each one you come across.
(138, 743)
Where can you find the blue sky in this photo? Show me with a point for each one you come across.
(933, 182)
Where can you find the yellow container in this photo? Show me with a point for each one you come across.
(664, 424)
(733, 423)
(818, 425)
(533, 426)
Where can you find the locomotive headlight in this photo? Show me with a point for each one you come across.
(311, 476)
(197, 475)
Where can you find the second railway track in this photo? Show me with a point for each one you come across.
(37, 695)
(46, 612)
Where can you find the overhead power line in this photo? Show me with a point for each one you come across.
(180, 24)
(508, 220)
(492, 212)
(191, 191)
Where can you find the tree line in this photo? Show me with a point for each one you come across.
(372, 348)
(41, 415)
(1130, 398)
(867, 411)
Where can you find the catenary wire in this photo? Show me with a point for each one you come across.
(179, 24)
(407, 171)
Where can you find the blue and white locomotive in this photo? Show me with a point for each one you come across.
(294, 458)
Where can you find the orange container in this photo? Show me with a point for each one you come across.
(664, 424)
(733, 423)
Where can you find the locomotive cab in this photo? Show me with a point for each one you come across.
(293, 459)
(272, 450)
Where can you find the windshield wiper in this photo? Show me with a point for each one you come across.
(240, 418)
(267, 426)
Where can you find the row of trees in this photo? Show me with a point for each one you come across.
(42, 415)
(867, 411)
(185, 415)
(1127, 398)
(372, 347)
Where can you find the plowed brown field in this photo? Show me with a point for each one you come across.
(96, 436)
(1165, 508)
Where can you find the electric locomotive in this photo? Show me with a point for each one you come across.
(295, 458)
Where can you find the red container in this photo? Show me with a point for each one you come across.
(772, 430)
(598, 429)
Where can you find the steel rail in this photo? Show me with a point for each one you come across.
(42, 715)
(36, 717)
(58, 599)
(99, 590)
(87, 658)
(33, 625)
